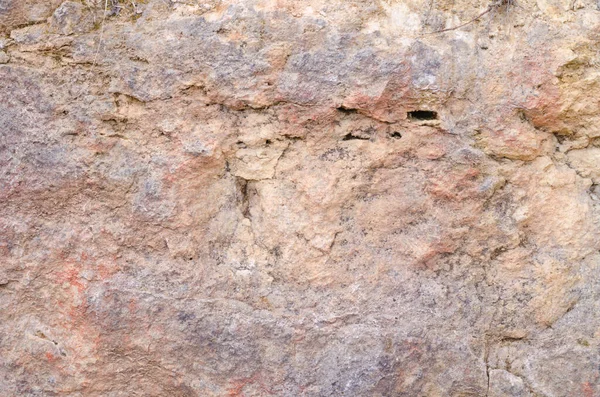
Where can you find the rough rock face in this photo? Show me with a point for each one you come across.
(299, 198)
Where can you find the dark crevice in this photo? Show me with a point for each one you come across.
(350, 137)
(346, 110)
(512, 338)
(422, 115)
(396, 135)
(243, 196)
(487, 375)
(293, 138)
(594, 191)
(4, 283)
(497, 252)
(561, 138)
(523, 116)
(486, 360)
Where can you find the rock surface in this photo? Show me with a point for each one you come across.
(299, 198)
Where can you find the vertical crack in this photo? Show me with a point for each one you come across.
(243, 196)
(486, 357)
(246, 192)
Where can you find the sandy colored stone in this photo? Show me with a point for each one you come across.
(504, 384)
(299, 198)
(586, 162)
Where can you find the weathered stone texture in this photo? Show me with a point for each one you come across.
(299, 198)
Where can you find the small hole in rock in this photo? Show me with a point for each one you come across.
(351, 137)
(422, 115)
(561, 138)
(346, 110)
(268, 142)
(522, 115)
(396, 135)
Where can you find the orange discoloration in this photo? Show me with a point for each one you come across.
(132, 306)
(237, 389)
(71, 276)
(106, 270)
(84, 341)
(587, 390)
(455, 185)
(446, 246)
(192, 168)
(77, 312)
(392, 103)
(431, 152)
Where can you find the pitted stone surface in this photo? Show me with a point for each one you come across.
(299, 198)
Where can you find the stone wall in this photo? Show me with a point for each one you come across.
(299, 198)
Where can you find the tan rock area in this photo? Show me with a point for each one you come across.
(300, 198)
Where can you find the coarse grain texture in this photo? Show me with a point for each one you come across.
(299, 198)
